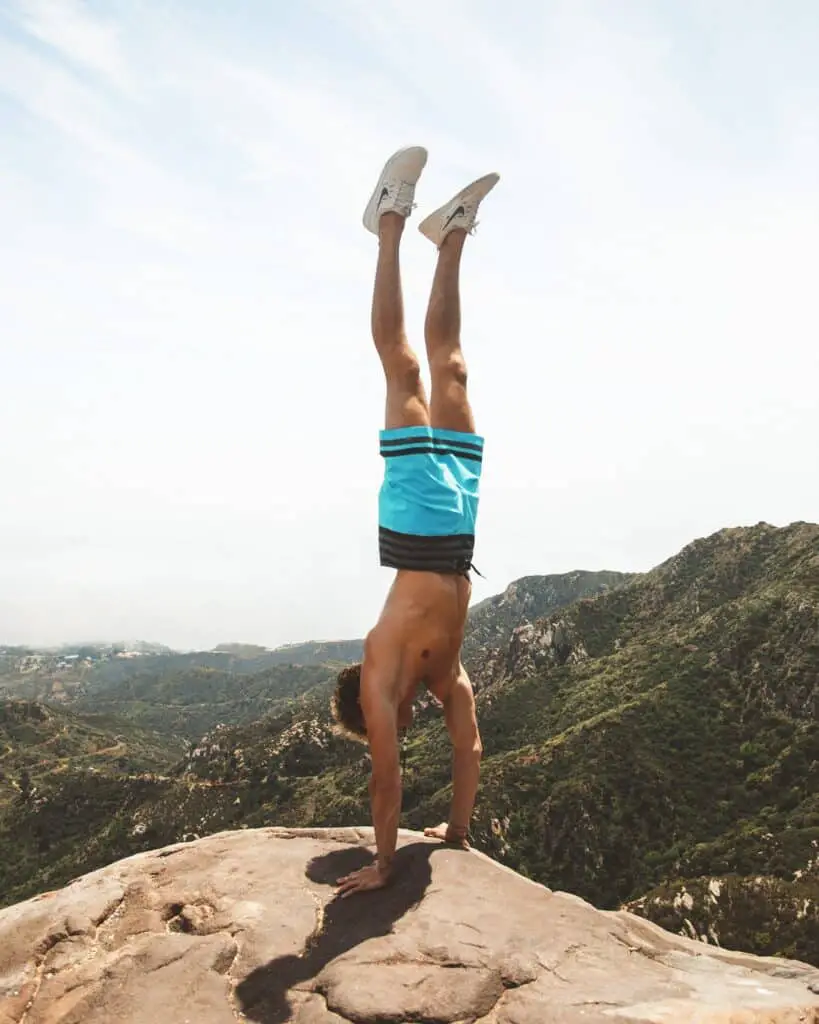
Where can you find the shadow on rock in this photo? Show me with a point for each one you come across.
(262, 996)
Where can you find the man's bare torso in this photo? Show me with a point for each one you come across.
(422, 624)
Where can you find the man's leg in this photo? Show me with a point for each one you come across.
(390, 204)
(406, 401)
(450, 408)
(447, 228)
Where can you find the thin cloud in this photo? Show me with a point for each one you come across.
(78, 35)
(185, 287)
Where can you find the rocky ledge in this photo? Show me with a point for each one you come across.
(243, 926)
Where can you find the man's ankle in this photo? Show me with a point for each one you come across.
(390, 225)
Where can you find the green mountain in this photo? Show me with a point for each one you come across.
(60, 773)
(191, 700)
(493, 622)
(41, 740)
(184, 694)
(655, 742)
(314, 652)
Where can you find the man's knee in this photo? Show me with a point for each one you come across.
(449, 369)
(404, 372)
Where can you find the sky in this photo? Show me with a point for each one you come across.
(189, 396)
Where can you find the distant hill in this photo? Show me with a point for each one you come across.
(231, 659)
(191, 700)
(37, 741)
(317, 652)
(185, 693)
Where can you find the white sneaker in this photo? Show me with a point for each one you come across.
(459, 212)
(395, 191)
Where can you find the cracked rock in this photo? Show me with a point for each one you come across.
(243, 926)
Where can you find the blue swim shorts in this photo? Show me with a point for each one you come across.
(428, 502)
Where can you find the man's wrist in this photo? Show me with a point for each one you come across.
(384, 865)
(460, 831)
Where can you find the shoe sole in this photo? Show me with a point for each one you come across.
(372, 205)
(483, 186)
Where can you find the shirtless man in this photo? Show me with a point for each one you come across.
(427, 509)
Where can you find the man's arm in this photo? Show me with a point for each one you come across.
(462, 724)
(380, 714)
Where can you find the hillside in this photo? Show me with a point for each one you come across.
(178, 694)
(648, 741)
(191, 700)
(316, 652)
(39, 740)
(493, 621)
(63, 774)
(84, 676)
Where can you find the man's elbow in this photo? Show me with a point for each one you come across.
(469, 749)
(384, 782)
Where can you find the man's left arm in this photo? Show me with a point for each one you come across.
(462, 725)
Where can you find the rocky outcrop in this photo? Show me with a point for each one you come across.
(493, 623)
(730, 909)
(545, 644)
(532, 647)
(244, 926)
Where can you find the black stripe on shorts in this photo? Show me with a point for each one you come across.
(394, 442)
(451, 554)
(429, 449)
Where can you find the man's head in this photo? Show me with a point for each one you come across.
(346, 706)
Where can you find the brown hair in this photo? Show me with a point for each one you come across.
(345, 704)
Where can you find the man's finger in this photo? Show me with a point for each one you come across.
(353, 887)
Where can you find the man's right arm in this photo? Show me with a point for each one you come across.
(380, 714)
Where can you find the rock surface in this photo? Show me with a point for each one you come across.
(243, 926)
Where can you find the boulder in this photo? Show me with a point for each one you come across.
(245, 926)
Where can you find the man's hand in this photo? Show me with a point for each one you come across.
(448, 834)
(371, 877)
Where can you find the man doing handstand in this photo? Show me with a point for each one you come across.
(427, 509)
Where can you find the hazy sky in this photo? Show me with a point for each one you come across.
(189, 398)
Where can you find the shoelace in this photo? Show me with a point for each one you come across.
(404, 196)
